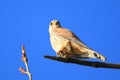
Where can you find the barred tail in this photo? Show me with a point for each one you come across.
(93, 54)
(99, 56)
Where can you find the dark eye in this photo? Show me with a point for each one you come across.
(57, 23)
(51, 23)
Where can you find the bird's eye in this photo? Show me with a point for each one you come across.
(57, 23)
(51, 23)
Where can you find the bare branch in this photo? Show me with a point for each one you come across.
(85, 63)
(25, 60)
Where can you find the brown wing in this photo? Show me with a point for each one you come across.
(69, 35)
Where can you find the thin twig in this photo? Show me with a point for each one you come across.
(85, 63)
(25, 60)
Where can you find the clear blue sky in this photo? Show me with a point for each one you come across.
(96, 22)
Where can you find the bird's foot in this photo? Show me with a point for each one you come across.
(61, 54)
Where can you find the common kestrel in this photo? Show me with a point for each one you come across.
(66, 44)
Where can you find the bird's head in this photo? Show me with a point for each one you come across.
(55, 24)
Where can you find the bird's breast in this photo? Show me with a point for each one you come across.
(58, 42)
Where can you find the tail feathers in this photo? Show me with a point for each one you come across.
(99, 56)
(93, 54)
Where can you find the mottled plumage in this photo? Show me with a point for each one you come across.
(67, 44)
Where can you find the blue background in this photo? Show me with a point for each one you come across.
(96, 22)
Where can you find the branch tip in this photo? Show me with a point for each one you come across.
(25, 60)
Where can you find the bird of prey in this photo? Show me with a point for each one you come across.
(67, 45)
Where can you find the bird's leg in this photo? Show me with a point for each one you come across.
(61, 54)
(66, 51)
(64, 54)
